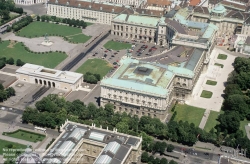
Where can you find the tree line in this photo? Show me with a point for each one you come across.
(70, 22)
(22, 23)
(236, 107)
(91, 78)
(11, 61)
(5, 8)
(52, 111)
(6, 93)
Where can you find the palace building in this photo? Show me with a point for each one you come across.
(81, 144)
(36, 74)
(29, 2)
(147, 89)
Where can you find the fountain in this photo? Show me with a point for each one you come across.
(46, 41)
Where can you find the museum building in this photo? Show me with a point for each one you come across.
(79, 143)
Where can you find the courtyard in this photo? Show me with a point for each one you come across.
(213, 73)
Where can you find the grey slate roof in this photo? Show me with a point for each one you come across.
(192, 62)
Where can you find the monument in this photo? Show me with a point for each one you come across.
(46, 41)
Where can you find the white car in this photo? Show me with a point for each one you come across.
(10, 108)
(3, 108)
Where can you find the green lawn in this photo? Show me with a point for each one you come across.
(242, 126)
(222, 57)
(218, 64)
(9, 145)
(97, 66)
(117, 45)
(81, 38)
(206, 94)
(25, 135)
(37, 29)
(189, 113)
(212, 120)
(211, 82)
(17, 51)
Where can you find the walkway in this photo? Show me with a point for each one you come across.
(214, 73)
(204, 119)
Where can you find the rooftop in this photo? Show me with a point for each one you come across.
(137, 19)
(148, 78)
(116, 146)
(41, 71)
(219, 8)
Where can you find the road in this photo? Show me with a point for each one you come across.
(18, 112)
(87, 49)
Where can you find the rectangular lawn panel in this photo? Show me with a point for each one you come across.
(50, 60)
(10, 145)
(38, 29)
(211, 82)
(81, 38)
(242, 126)
(188, 113)
(117, 45)
(218, 64)
(212, 120)
(96, 66)
(222, 57)
(25, 135)
(206, 94)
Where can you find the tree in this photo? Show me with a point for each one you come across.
(1, 87)
(144, 157)
(170, 148)
(38, 18)
(229, 121)
(19, 62)
(232, 89)
(2, 64)
(164, 161)
(10, 61)
(10, 92)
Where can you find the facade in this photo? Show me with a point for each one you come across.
(28, 2)
(36, 74)
(135, 27)
(89, 11)
(228, 21)
(161, 5)
(80, 143)
(164, 31)
(143, 88)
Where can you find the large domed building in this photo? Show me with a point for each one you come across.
(28, 157)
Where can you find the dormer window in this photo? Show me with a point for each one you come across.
(79, 5)
(67, 3)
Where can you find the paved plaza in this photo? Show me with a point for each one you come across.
(214, 73)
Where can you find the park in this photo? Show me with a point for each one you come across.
(25, 135)
(95, 66)
(39, 29)
(16, 50)
(114, 45)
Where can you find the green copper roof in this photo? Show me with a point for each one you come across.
(240, 42)
(209, 31)
(219, 9)
(138, 19)
(145, 77)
